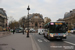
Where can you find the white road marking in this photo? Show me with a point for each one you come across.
(39, 40)
(45, 40)
(69, 42)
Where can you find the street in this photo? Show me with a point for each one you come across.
(45, 44)
(18, 41)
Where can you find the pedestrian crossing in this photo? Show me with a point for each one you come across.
(42, 40)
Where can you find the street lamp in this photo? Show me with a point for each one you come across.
(28, 21)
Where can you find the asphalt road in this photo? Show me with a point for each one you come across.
(45, 44)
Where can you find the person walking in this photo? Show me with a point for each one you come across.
(13, 31)
(23, 31)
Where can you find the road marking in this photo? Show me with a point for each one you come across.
(69, 42)
(45, 40)
(39, 40)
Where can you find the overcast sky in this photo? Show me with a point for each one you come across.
(53, 9)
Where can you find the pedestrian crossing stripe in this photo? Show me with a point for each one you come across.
(39, 40)
(43, 40)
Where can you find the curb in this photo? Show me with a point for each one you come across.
(34, 44)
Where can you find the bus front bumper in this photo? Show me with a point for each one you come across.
(57, 37)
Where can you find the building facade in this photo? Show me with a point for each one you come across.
(69, 18)
(45, 19)
(35, 21)
(3, 19)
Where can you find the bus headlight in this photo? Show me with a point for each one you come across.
(64, 35)
(51, 35)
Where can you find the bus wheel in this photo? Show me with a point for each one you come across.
(48, 37)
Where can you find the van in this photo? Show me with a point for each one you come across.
(40, 31)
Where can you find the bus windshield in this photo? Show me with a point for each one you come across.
(57, 28)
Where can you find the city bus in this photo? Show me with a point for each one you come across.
(56, 30)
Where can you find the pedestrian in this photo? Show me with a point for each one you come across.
(23, 31)
(13, 31)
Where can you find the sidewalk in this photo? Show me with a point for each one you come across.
(17, 42)
(4, 33)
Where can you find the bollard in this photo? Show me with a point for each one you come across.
(27, 33)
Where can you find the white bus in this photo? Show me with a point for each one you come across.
(56, 30)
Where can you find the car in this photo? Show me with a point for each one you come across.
(32, 30)
(19, 30)
(11, 30)
(4, 29)
(71, 31)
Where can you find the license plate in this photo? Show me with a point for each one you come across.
(58, 38)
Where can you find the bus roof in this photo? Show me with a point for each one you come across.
(55, 22)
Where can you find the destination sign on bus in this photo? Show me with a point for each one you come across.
(52, 23)
(58, 23)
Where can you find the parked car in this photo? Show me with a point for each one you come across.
(11, 30)
(19, 30)
(32, 30)
(74, 32)
(71, 31)
(4, 29)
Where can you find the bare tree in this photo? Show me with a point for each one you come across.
(14, 24)
(47, 20)
(22, 21)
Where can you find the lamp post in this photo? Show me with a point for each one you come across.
(28, 21)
